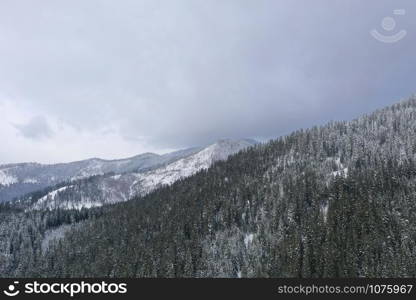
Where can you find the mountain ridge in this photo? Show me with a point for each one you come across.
(19, 179)
(109, 188)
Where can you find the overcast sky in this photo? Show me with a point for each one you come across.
(112, 79)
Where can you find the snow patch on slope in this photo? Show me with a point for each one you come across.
(6, 179)
(343, 173)
(341, 169)
(324, 211)
(48, 198)
(30, 180)
(185, 167)
(248, 239)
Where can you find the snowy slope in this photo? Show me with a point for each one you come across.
(6, 179)
(17, 180)
(185, 167)
(97, 191)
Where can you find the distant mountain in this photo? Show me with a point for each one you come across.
(99, 190)
(17, 180)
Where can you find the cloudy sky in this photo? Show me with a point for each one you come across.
(112, 79)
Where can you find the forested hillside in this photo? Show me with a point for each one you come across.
(330, 201)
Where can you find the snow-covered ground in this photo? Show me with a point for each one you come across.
(248, 239)
(342, 170)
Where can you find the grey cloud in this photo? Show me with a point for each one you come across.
(37, 128)
(181, 73)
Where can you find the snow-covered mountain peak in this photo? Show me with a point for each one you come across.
(223, 148)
